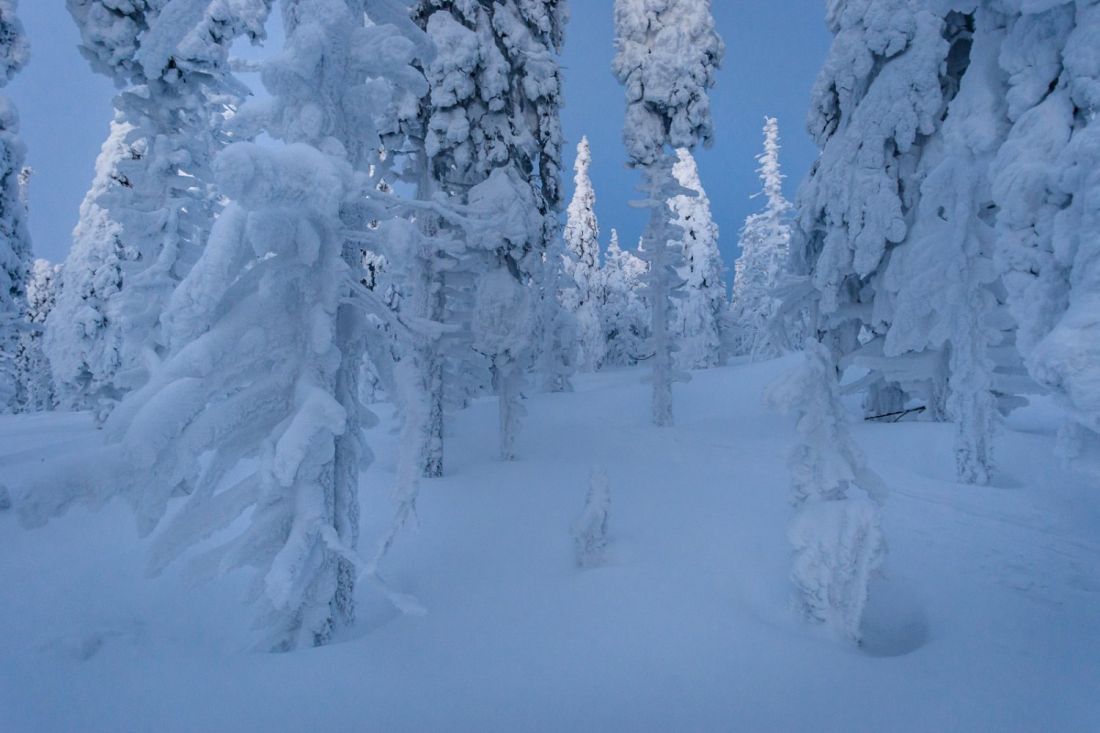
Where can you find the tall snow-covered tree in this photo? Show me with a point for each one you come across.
(625, 316)
(901, 252)
(765, 248)
(582, 238)
(879, 98)
(15, 242)
(915, 263)
(84, 330)
(172, 60)
(667, 57)
(700, 313)
(1045, 185)
(944, 284)
(255, 411)
(558, 357)
(492, 128)
(37, 388)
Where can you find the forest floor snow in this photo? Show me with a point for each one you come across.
(987, 619)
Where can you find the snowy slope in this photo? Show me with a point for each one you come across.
(987, 621)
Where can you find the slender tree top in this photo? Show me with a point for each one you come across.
(584, 160)
(770, 174)
(581, 228)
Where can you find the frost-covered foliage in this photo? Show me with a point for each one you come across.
(963, 234)
(945, 287)
(37, 389)
(625, 315)
(558, 358)
(492, 142)
(835, 531)
(172, 58)
(879, 98)
(241, 418)
(765, 249)
(15, 243)
(590, 529)
(582, 238)
(259, 382)
(667, 56)
(254, 412)
(700, 313)
(1046, 185)
(84, 332)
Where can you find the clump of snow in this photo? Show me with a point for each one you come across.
(835, 532)
(838, 546)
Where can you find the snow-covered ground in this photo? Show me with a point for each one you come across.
(988, 619)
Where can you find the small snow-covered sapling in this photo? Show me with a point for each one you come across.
(590, 529)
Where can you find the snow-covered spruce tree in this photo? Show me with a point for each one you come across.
(700, 314)
(582, 238)
(835, 531)
(37, 389)
(558, 357)
(918, 300)
(255, 411)
(1045, 185)
(495, 93)
(171, 58)
(15, 242)
(83, 332)
(625, 316)
(943, 282)
(432, 276)
(880, 97)
(667, 56)
(765, 248)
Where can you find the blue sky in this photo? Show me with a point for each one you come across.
(774, 50)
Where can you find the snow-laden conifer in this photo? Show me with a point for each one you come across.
(172, 61)
(667, 57)
(15, 242)
(254, 415)
(701, 311)
(765, 248)
(880, 97)
(1045, 185)
(37, 388)
(947, 294)
(492, 129)
(903, 254)
(582, 238)
(558, 357)
(84, 331)
(625, 315)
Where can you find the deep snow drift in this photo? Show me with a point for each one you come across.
(986, 621)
